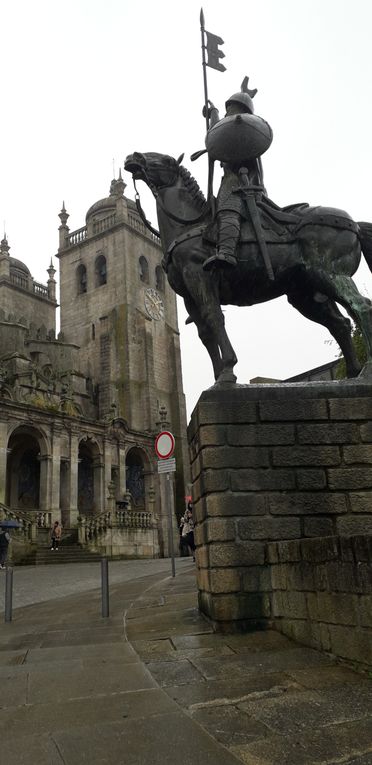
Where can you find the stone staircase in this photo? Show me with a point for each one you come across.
(69, 550)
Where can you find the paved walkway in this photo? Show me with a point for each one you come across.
(152, 685)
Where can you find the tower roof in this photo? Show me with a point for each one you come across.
(108, 204)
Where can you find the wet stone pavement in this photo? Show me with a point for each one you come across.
(153, 685)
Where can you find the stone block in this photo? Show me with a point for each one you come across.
(260, 434)
(351, 643)
(350, 478)
(364, 578)
(350, 408)
(361, 502)
(291, 410)
(301, 576)
(342, 577)
(202, 556)
(356, 524)
(235, 504)
(366, 432)
(302, 631)
(354, 455)
(225, 411)
(346, 549)
(337, 608)
(237, 554)
(214, 480)
(212, 435)
(272, 553)
(279, 577)
(257, 579)
(240, 606)
(306, 503)
(306, 455)
(320, 550)
(365, 611)
(362, 546)
(225, 580)
(234, 457)
(266, 527)
(219, 530)
(310, 479)
(318, 527)
(289, 551)
(293, 605)
(262, 480)
(328, 433)
(203, 578)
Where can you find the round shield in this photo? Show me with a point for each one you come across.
(239, 138)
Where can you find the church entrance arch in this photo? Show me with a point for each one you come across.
(89, 478)
(26, 484)
(136, 470)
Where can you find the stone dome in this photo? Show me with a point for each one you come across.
(17, 265)
(107, 205)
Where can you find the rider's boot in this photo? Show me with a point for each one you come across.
(228, 238)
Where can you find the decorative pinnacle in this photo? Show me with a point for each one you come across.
(63, 215)
(51, 271)
(4, 247)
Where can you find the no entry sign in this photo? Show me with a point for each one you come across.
(164, 445)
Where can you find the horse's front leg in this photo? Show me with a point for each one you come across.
(206, 336)
(204, 290)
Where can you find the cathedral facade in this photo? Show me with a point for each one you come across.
(79, 410)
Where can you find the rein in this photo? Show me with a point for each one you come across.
(168, 213)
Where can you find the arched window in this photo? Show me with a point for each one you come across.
(143, 269)
(101, 271)
(81, 279)
(159, 278)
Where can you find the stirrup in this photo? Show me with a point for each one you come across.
(221, 260)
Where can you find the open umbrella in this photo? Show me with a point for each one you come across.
(10, 524)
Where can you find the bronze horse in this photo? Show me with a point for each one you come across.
(313, 265)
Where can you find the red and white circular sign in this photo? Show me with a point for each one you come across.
(164, 445)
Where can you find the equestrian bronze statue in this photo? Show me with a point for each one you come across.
(243, 249)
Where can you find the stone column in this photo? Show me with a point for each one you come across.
(56, 474)
(3, 459)
(73, 477)
(122, 471)
(45, 483)
(98, 475)
(107, 475)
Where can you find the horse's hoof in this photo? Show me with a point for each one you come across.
(226, 377)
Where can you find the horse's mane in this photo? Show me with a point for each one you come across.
(192, 186)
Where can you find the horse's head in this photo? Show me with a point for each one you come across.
(157, 170)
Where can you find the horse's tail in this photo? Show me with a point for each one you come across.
(365, 233)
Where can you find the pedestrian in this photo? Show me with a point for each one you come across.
(55, 536)
(187, 532)
(4, 544)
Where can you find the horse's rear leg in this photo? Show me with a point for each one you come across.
(327, 314)
(344, 291)
(206, 336)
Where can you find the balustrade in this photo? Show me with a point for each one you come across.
(76, 236)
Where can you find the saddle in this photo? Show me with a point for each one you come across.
(282, 225)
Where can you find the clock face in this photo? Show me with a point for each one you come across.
(154, 304)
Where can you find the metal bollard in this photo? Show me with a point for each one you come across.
(8, 593)
(105, 587)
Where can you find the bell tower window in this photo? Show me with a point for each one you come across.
(101, 271)
(81, 279)
(143, 269)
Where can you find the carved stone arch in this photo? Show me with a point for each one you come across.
(143, 269)
(28, 457)
(100, 270)
(137, 468)
(90, 476)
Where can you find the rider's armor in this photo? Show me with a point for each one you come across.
(231, 207)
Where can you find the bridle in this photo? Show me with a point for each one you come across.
(168, 213)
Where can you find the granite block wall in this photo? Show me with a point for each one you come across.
(322, 594)
(273, 463)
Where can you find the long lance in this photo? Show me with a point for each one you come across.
(210, 197)
(204, 64)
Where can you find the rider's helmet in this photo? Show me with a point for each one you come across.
(244, 98)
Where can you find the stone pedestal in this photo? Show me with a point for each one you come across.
(272, 463)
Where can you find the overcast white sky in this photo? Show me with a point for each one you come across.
(88, 81)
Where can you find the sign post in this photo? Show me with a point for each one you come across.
(164, 448)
